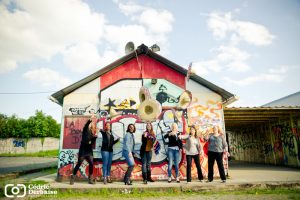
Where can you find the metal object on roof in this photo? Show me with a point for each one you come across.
(227, 97)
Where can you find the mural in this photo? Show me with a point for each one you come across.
(275, 144)
(123, 97)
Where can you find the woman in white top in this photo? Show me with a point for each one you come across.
(193, 149)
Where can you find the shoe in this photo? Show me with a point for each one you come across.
(188, 182)
(91, 181)
(201, 181)
(149, 177)
(223, 181)
(109, 179)
(169, 180)
(145, 181)
(178, 180)
(105, 180)
(72, 180)
(208, 181)
(128, 183)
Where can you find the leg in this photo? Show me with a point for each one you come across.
(211, 161)
(79, 162)
(176, 160)
(219, 158)
(130, 163)
(90, 160)
(72, 178)
(104, 155)
(170, 162)
(144, 167)
(149, 157)
(188, 168)
(110, 156)
(197, 162)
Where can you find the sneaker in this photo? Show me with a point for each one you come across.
(208, 181)
(169, 180)
(223, 181)
(105, 181)
(178, 180)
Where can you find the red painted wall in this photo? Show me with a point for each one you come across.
(150, 69)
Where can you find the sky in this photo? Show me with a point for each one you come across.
(250, 48)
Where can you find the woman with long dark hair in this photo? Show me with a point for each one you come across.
(193, 148)
(108, 141)
(128, 152)
(148, 139)
(86, 149)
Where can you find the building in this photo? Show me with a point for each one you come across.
(117, 87)
(269, 134)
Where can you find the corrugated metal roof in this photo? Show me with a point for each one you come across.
(290, 100)
(143, 49)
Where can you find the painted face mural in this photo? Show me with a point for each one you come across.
(123, 98)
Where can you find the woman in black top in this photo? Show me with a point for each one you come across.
(174, 146)
(86, 149)
(108, 141)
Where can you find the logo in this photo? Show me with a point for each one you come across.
(11, 191)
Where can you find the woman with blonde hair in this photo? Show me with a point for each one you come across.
(86, 149)
(217, 146)
(174, 147)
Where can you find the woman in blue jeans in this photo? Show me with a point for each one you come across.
(173, 151)
(127, 153)
(108, 141)
(148, 139)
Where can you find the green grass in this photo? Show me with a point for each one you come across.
(50, 153)
(290, 193)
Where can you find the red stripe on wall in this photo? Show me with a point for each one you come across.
(150, 68)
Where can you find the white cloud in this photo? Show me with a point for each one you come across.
(150, 26)
(85, 58)
(41, 29)
(273, 75)
(47, 78)
(226, 58)
(222, 24)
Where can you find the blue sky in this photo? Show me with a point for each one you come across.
(250, 48)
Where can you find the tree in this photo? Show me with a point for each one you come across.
(39, 125)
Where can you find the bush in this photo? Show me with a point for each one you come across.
(39, 125)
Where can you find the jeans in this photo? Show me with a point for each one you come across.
(89, 159)
(107, 160)
(189, 167)
(218, 156)
(130, 163)
(146, 161)
(173, 155)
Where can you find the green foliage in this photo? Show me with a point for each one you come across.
(39, 125)
(49, 153)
